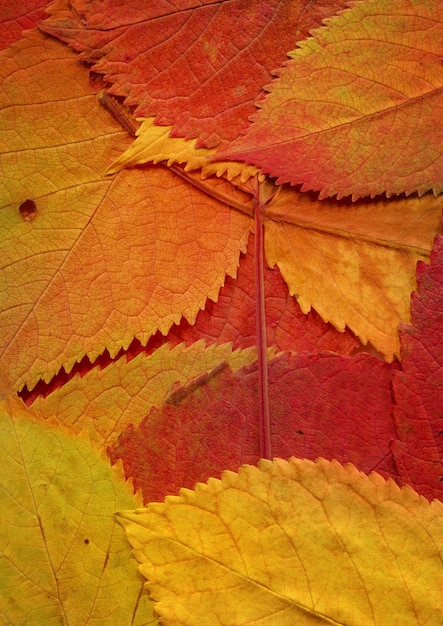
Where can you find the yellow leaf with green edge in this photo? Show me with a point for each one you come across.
(104, 402)
(154, 144)
(357, 109)
(64, 560)
(353, 262)
(105, 259)
(292, 543)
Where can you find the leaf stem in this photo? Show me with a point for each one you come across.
(260, 316)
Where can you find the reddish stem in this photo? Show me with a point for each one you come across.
(260, 315)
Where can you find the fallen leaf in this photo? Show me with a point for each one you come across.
(321, 405)
(357, 109)
(198, 68)
(418, 386)
(353, 262)
(287, 543)
(64, 558)
(108, 259)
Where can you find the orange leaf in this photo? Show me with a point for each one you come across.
(358, 109)
(354, 263)
(106, 259)
(292, 543)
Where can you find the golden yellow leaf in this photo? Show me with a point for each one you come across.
(106, 259)
(292, 543)
(105, 402)
(64, 560)
(354, 263)
(154, 144)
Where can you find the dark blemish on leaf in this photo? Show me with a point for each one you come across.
(28, 210)
(86, 541)
(179, 393)
(96, 80)
(440, 433)
(118, 110)
(299, 432)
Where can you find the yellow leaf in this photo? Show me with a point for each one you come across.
(64, 560)
(292, 543)
(106, 259)
(105, 402)
(354, 263)
(154, 144)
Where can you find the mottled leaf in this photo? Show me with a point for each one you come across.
(292, 543)
(358, 108)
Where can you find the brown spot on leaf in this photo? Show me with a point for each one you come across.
(28, 210)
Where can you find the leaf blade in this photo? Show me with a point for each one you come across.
(357, 110)
(244, 548)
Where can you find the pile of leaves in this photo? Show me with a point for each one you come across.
(151, 154)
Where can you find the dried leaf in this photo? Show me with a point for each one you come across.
(15, 17)
(105, 402)
(320, 405)
(353, 262)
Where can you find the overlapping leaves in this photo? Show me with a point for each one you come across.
(102, 266)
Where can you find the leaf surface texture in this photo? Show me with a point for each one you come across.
(298, 542)
(358, 108)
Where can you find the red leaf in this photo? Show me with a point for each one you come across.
(418, 387)
(15, 17)
(188, 66)
(333, 406)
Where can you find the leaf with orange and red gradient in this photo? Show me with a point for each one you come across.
(199, 68)
(321, 405)
(292, 543)
(418, 386)
(105, 259)
(15, 17)
(358, 108)
(64, 558)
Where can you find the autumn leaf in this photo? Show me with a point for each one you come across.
(64, 558)
(358, 108)
(107, 259)
(418, 386)
(106, 401)
(320, 404)
(186, 65)
(296, 542)
(354, 263)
